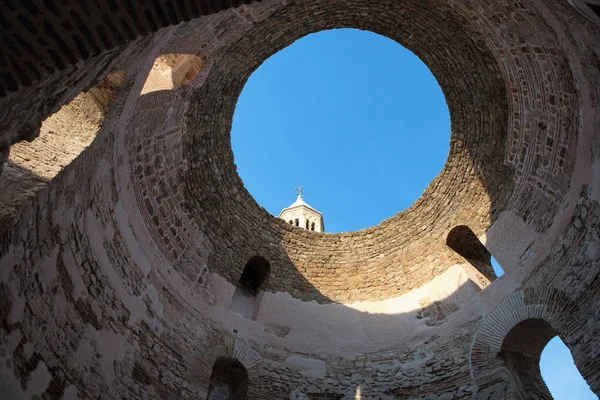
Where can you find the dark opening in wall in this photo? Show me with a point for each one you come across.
(595, 8)
(463, 240)
(256, 271)
(228, 381)
(324, 396)
(246, 299)
(588, 8)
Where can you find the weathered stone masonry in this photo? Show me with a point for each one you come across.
(117, 274)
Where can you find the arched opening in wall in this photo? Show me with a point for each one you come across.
(228, 381)
(365, 126)
(521, 353)
(172, 71)
(463, 241)
(246, 298)
(63, 136)
(561, 375)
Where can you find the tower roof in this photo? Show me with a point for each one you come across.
(299, 203)
(300, 214)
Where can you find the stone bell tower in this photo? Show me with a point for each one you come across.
(302, 215)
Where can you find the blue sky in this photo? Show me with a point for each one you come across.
(362, 124)
(355, 118)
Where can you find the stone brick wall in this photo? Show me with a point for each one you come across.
(112, 276)
(394, 249)
(64, 135)
(70, 45)
(44, 36)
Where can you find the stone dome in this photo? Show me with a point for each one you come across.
(145, 269)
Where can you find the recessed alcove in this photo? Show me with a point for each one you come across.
(465, 243)
(63, 136)
(67, 132)
(246, 298)
(172, 71)
(365, 143)
(532, 353)
(229, 380)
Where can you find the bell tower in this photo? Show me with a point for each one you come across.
(302, 215)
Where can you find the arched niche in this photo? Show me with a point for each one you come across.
(521, 352)
(63, 136)
(512, 337)
(172, 71)
(67, 132)
(228, 381)
(246, 298)
(464, 242)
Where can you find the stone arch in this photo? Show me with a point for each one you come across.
(249, 358)
(464, 242)
(215, 346)
(223, 346)
(511, 338)
(63, 136)
(521, 352)
(228, 380)
(253, 363)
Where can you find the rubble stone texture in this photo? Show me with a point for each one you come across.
(118, 267)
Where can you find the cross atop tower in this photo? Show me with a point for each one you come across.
(302, 215)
